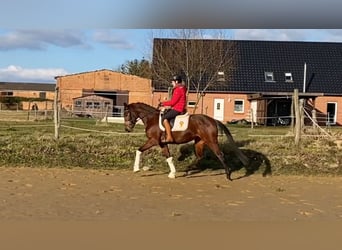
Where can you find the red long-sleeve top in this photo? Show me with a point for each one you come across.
(178, 99)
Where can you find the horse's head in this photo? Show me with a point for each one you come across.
(130, 118)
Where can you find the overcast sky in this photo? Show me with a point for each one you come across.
(40, 39)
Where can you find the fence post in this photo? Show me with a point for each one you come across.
(28, 111)
(314, 118)
(301, 110)
(56, 112)
(107, 111)
(45, 111)
(297, 117)
(252, 118)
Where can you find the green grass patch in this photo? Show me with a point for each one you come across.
(87, 143)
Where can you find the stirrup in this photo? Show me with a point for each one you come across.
(167, 141)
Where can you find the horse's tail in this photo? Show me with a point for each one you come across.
(243, 158)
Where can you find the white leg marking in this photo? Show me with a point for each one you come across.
(172, 173)
(136, 166)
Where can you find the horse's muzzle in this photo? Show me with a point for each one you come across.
(128, 126)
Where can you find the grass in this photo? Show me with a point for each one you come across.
(106, 146)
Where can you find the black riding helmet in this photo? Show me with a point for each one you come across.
(177, 79)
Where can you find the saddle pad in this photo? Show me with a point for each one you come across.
(181, 123)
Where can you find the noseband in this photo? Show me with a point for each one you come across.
(133, 120)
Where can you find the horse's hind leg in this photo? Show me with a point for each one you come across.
(169, 160)
(216, 150)
(199, 149)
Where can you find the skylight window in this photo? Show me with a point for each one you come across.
(288, 77)
(220, 76)
(269, 77)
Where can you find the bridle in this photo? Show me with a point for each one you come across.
(130, 123)
(133, 119)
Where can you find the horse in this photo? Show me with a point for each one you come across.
(202, 129)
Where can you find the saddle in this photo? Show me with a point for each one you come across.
(180, 123)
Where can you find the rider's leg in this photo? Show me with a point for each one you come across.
(168, 131)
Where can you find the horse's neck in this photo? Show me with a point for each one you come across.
(145, 114)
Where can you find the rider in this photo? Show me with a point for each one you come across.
(177, 104)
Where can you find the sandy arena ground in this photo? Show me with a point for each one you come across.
(78, 194)
(31, 195)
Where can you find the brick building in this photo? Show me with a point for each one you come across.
(41, 94)
(263, 79)
(116, 86)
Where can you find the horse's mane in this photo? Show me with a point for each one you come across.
(146, 107)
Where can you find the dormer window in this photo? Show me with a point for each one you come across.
(220, 76)
(269, 77)
(288, 77)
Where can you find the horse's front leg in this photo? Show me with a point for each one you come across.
(136, 166)
(149, 144)
(169, 160)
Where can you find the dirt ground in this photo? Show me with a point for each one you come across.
(111, 209)
(93, 195)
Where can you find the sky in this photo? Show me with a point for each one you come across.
(41, 39)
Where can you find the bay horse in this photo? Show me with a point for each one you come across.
(201, 128)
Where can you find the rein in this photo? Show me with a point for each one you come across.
(148, 112)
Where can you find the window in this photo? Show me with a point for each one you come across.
(42, 95)
(97, 105)
(288, 77)
(218, 106)
(89, 105)
(78, 103)
(191, 104)
(6, 93)
(331, 113)
(220, 76)
(269, 77)
(238, 106)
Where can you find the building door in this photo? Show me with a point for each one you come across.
(331, 112)
(219, 109)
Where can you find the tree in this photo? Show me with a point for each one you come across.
(137, 67)
(204, 63)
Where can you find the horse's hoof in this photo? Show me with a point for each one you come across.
(136, 170)
(172, 175)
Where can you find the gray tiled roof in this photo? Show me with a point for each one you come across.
(13, 86)
(323, 63)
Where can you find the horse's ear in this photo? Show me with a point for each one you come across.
(125, 104)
